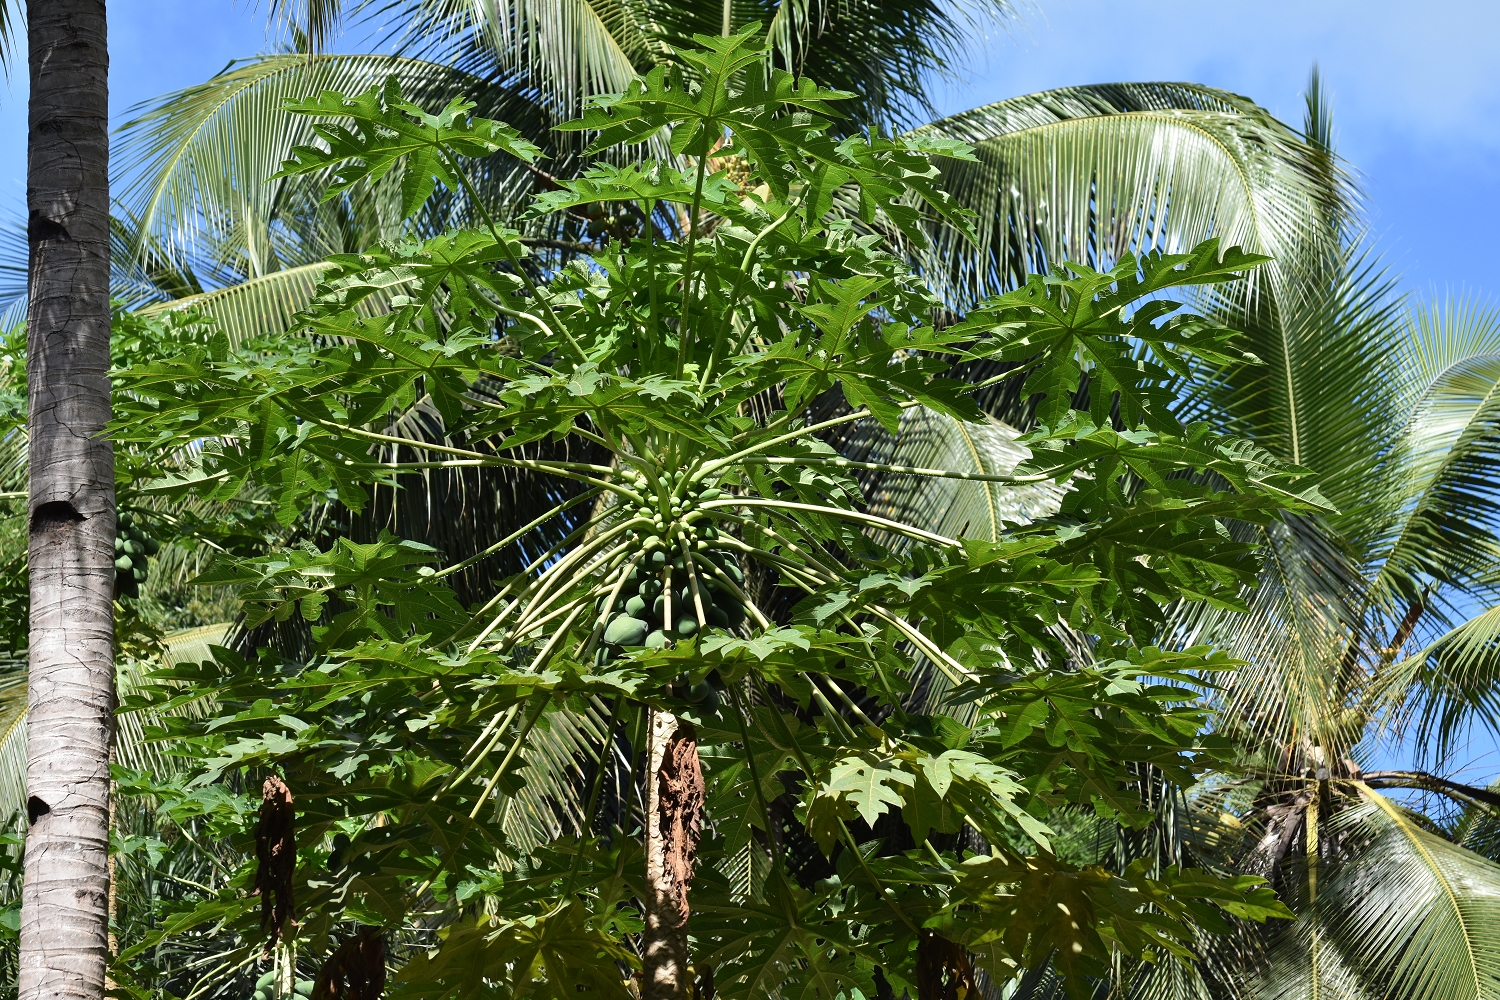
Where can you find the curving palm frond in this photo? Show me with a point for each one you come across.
(1400, 913)
(887, 53)
(957, 505)
(1090, 173)
(202, 161)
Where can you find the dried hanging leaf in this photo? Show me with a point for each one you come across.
(276, 854)
(943, 970)
(356, 970)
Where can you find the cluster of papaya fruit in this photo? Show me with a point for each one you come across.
(133, 546)
(656, 603)
(265, 988)
(661, 606)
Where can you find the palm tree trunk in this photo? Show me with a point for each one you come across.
(64, 946)
(674, 797)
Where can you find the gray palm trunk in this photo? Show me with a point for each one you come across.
(65, 897)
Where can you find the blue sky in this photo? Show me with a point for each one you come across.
(1416, 97)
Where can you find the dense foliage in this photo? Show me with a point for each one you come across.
(716, 562)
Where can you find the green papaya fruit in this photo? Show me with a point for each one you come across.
(635, 606)
(656, 640)
(625, 631)
(687, 625)
(123, 564)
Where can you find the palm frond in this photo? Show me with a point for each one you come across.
(954, 506)
(1404, 912)
(1328, 336)
(132, 749)
(12, 741)
(201, 161)
(12, 27)
(1447, 684)
(1450, 502)
(1090, 173)
(263, 306)
(886, 53)
(312, 23)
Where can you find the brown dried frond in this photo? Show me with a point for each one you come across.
(276, 858)
(943, 970)
(356, 971)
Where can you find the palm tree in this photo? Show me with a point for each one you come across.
(1395, 406)
(71, 512)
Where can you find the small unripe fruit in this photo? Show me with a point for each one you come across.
(625, 631)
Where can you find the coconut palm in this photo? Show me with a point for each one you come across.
(1395, 406)
(70, 513)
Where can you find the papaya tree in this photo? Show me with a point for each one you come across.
(709, 625)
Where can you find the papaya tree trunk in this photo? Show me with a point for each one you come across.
(64, 946)
(674, 822)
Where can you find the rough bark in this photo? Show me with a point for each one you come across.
(64, 944)
(1284, 822)
(674, 793)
